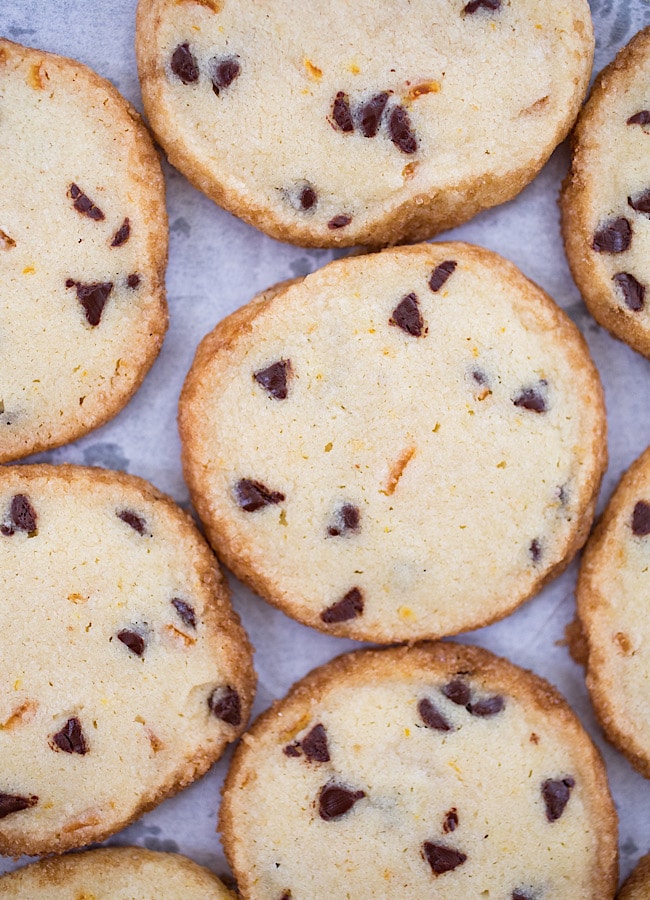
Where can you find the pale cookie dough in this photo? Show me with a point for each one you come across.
(613, 592)
(337, 123)
(83, 248)
(115, 873)
(606, 197)
(124, 670)
(402, 445)
(637, 886)
(436, 771)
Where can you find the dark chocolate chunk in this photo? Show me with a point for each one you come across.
(614, 236)
(535, 550)
(633, 291)
(370, 114)
(274, 378)
(122, 234)
(519, 894)
(131, 518)
(347, 519)
(92, 297)
(314, 745)
(11, 803)
(83, 204)
(556, 795)
(479, 376)
(133, 280)
(225, 704)
(308, 197)
(641, 202)
(184, 65)
(399, 128)
(132, 640)
(223, 72)
(457, 691)
(407, 316)
(640, 118)
(22, 516)
(292, 749)
(441, 273)
(474, 5)
(641, 519)
(71, 738)
(253, 495)
(431, 716)
(335, 801)
(442, 859)
(451, 821)
(349, 607)
(339, 222)
(490, 706)
(185, 611)
(341, 112)
(532, 398)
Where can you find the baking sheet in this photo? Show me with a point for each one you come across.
(216, 264)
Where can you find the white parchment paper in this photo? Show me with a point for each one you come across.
(216, 264)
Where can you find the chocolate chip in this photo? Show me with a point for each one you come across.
(490, 706)
(614, 236)
(22, 517)
(184, 65)
(535, 550)
(339, 222)
(370, 114)
(640, 118)
(92, 297)
(225, 704)
(307, 197)
(341, 112)
(349, 607)
(335, 801)
(640, 202)
(431, 716)
(122, 234)
(133, 281)
(519, 894)
(442, 859)
(441, 273)
(479, 376)
(532, 398)
(71, 738)
(457, 691)
(223, 72)
(641, 519)
(633, 291)
(11, 803)
(407, 316)
(132, 640)
(556, 796)
(450, 822)
(274, 378)
(83, 204)
(399, 128)
(347, 519)
(474, 5)
(314, 745)
(253, 495)
(292, 750)
(131, 518)
(185, 611)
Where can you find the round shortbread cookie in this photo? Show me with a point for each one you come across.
(612, 594)
(372, 123)
(606, 197)
(403, 445)
(83, 248)
(115, 873)
(125, 671)
(432, 771)
(637, 886)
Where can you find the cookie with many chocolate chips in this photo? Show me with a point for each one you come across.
(370, 123)
(114, 873)
(125, 671)
(606, 197)
(431, 771)
(612, 596)
(403, 445)
(83, 248)
(637, 885)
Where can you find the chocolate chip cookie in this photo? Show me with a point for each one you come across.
(637, 886)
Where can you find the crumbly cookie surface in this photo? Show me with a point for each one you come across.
(606, 197)
(436, 771)
(83, 248)
(115, 873)
(637, 886)
(403, 445)
(125, 671)
(372, 123)
(612, 598)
